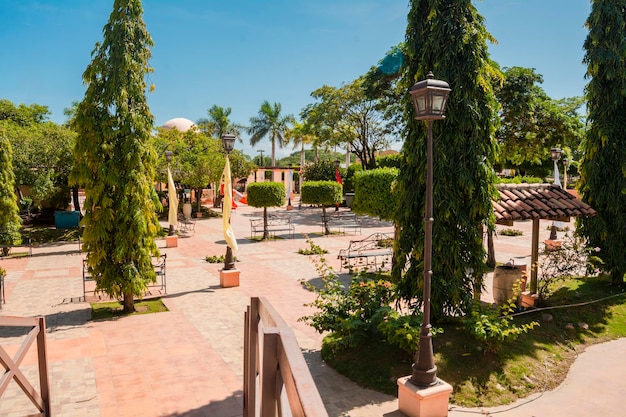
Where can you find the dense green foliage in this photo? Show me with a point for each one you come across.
(389, 161)
(348, 178)
(9, 212)
(603, 177)
(115, 161)
(266, 194)
(374, 193)
(42, 153)
(447, 37)
(532, 123)
(347, 117)
(359, 314)
(322, 170)
(324, 193)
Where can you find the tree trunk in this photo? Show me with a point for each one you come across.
(491, 252)
(325, 221)
(75, 198)
(198, 199)
(265, 231)
(617, 277)
(129, 302)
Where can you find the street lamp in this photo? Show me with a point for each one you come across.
(429, 99)
(338, 178)
(556, 155)
(290, 179)
(228, 143)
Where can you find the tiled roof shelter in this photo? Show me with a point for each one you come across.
(536, 202)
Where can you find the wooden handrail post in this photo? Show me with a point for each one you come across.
(42, 356)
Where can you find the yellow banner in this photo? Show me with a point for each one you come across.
(173, 200)
(229, 236)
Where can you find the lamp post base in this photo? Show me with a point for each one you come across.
(432, 401)
(229, 278)
(171, 241)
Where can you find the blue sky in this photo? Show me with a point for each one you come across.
(237, 53)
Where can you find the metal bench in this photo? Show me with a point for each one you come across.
(373, 252)
(159, 269)
(275, 225)
(341, 221)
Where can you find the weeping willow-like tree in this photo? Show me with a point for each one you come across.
(114, 159)
(447, 37)
(603, 167)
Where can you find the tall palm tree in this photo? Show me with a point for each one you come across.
(269, 122)
(300, 134)
(219, 122)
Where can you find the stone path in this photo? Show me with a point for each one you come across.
(188, 361)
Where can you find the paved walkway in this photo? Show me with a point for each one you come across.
(188, 361)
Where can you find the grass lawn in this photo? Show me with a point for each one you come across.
(536, 361)
(114, 309)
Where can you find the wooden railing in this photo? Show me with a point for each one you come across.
(277, 381)
(12, 371)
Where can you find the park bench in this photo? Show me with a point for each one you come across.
(372, 253)
(186, 224)
(159, 269)
(275, 225)
(340, 222)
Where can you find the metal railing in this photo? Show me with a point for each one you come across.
(277, 381)
(12, 371)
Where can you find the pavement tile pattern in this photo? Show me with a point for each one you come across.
(189, 361)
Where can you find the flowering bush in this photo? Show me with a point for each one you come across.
(359, 313)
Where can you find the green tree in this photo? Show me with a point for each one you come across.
(300, 134)
(9, 213)
(532, 122)
(270, 122)
(346, 116)
(198, 160)
(266, 194)
(447, 37)
(374, 193)
(42, 160)
(42, 152)
(115, 160)
(322, 170)
(323, 193)
(219, 122)
(603, 179)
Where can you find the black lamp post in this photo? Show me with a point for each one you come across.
(429, 99)
(228, 143)
(168, 158)
(337, 176)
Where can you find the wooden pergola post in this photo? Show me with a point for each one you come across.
(534, 256)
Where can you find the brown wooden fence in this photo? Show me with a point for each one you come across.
(12, 371)
(277, 381)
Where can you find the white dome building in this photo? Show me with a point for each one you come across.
(179, 123)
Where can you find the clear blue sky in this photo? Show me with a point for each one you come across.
(237, 53)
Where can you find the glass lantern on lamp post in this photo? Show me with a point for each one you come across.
(429, 99)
